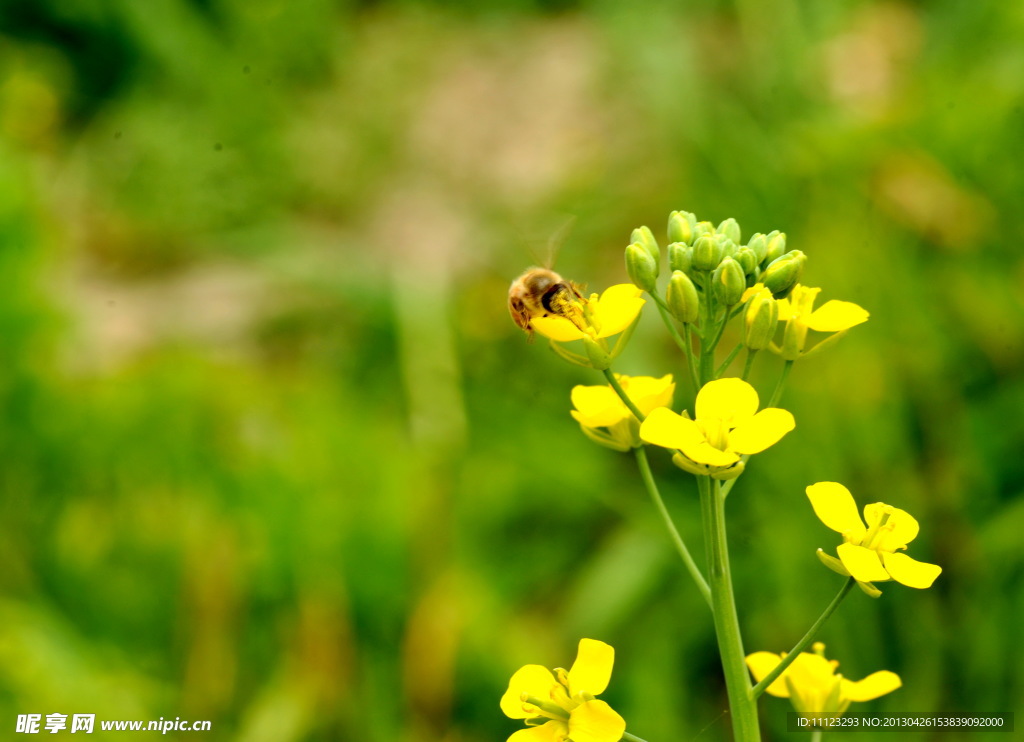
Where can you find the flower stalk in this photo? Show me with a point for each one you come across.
(652, 489)
(727, 626)
(805, 641)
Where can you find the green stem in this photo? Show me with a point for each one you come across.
(816, 735)
(780, 384)
(632, 737)
(749, 364)
(728, 360)
(691, 359)
(707, 348)
(652, 489)
(727, 627)
(805, 641)
(721, 329)
(622, 394)
(683, 342)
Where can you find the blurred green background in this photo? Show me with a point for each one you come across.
(274, 455)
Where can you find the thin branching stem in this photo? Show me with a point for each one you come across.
(805, 641)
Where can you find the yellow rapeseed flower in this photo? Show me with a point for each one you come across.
(812, 684)
(868, 552)
(611, 313)
(727, 425)
(561, 706)
(606, 420)
(799, 314)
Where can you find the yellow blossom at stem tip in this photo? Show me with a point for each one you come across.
(558, 706)
(798, 312)
(869, 549)
(727, 425)
(812, 684)
(606, 420)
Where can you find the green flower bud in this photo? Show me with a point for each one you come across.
(645, 237)
(760, 320)
(776, 247)
(731, 229)
(728, 246)
(782, 274)
(680, 227)
(729, 282)
(703, 228)
(759, 244)
(680, 257)
(599, 356)
(641, 267)
(747, 258)
(707, 253)
(682, 298)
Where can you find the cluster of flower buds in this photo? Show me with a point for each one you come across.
(712, 270)
(703, 257)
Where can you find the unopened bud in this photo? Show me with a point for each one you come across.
(731, 229)
(759, 244)
(645, 237)
(760, 320)
(641, 267)
(729, 282)
(680, 227)
(776, 247)
(680, 257)
(747, 259)
(707, 253)
(784, 273)
(703, 228)
(728, 246)
(682, 298)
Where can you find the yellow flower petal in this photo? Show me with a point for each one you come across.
(833, 316)
(762, 430)
(597, 406)
(750, 293)
(874, 685)
(864, 564)
(834, 506)
(612, 317)
(730, 400)
(812, 674)
(649, 393)
(620, 292)
(786, 310)
(669, 430)
(802, 300)
(704, 453)
(762, 663)
(899, 530)
(592, 669)
(534, 680)
(556, 328)
(595, 721)
(910, 572)
(553, 731)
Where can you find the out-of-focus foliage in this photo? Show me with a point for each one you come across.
(274, 454)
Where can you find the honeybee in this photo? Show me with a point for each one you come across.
(540, 292)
